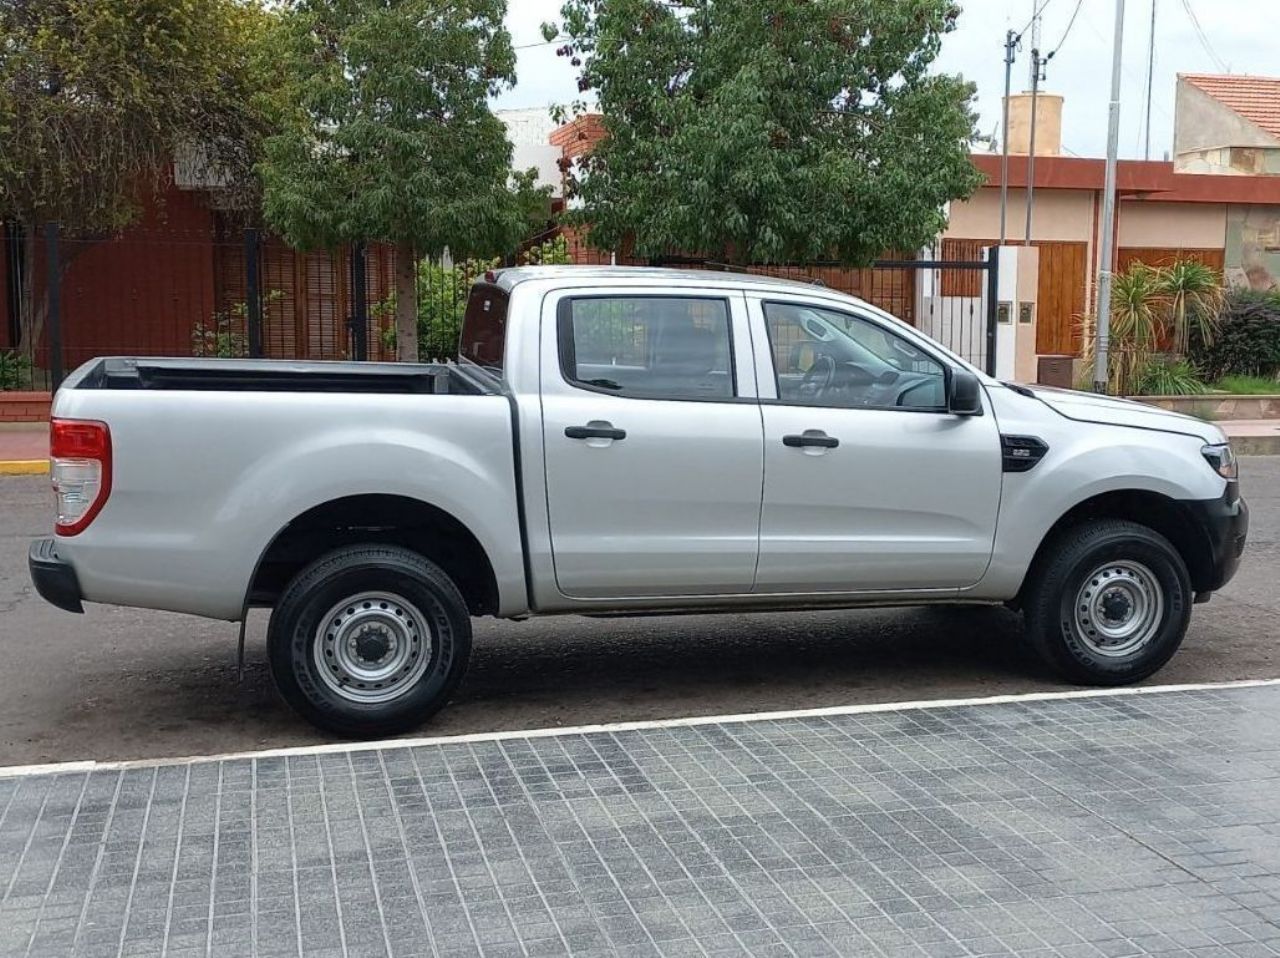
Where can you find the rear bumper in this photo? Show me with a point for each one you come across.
(1226, 523)
(54, 577)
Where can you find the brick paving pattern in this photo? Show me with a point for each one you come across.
(1110, 826)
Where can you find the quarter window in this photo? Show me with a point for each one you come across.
(654, 347)
(824, 357)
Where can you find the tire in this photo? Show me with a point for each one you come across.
(395, 641)
(1109, 603)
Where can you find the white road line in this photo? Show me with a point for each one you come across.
(12, 771)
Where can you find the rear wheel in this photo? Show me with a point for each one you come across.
(369, 640)
(1109, 603)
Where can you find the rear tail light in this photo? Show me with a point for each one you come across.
(80, 466)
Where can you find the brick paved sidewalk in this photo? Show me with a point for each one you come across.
(1104, 826)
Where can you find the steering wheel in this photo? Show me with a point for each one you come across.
(818, 377)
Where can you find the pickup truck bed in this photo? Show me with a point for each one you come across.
(276, 376)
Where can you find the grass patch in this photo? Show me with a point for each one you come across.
(1248, 385)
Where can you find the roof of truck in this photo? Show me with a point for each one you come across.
(508, 278)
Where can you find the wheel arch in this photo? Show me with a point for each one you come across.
(1158, 512)
(377, 518)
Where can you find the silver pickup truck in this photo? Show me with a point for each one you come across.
(627, 441)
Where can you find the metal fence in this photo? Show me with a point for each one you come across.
(66, 298)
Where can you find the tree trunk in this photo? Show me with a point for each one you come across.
(30, 314)
(406, 304)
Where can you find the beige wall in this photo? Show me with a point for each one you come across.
(1058, 215)
(1027, 292)
(1173, 225)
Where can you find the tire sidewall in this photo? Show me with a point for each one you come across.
(1170, 573)
(295, 633)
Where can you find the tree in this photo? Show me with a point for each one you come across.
(758, 131)
(386, 134)
(97, 97)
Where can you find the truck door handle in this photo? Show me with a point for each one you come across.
(811, 437)
(601, 431)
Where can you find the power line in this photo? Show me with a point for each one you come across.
(1038, 10)
(1070, 23)
(1204, 40)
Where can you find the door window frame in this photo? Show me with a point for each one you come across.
(766, 365)
(738, 325)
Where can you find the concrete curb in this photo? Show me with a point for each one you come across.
(1255, 445)
(24, 467)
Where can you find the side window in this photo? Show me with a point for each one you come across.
(652, 347)
(824, 357)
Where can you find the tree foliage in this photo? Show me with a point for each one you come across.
(385, 133)
(755, 131)
(97, 96)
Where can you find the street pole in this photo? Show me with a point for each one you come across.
(1031, 146)
(1109, 209)
(1151, 71)
(1010, 44)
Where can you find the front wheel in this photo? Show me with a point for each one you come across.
(1109, 604)
(369, 640)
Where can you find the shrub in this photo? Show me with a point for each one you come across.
(1169, 376)
(15, 371)
(1248, 338)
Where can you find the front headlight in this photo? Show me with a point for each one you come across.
(1222, 460)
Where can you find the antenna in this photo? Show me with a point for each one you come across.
(1037, 9)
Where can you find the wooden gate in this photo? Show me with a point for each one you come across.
(1061, 295)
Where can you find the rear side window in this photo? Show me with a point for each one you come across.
(484, 327)
(651, 347)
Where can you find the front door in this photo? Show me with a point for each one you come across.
(653, 445)
(870, 485)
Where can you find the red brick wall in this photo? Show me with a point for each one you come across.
(143, 292)
(580, 136)
(24, 407)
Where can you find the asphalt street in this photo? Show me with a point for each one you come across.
(125, 684)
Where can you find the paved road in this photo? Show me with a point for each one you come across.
(1122, 825)
(120, 683)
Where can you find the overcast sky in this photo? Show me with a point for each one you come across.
(1241, 33)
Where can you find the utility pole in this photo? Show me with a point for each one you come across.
(1109, 209)
(1151, 70)
(1036, 64)
(1010, 45)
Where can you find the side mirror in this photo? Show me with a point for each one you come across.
(964, 393)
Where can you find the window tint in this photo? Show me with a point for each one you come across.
(648, 346)
(829, 358)
(484, 327)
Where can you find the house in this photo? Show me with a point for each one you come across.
(1226, 124)
(1217, 201)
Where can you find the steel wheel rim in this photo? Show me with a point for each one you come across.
(1119, 608)
(372, 647)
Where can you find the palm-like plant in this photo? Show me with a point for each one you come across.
(1155, 310)
(1195, 298)
(1136, 306)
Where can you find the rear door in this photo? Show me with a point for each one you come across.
(870, 485)
(653, 443)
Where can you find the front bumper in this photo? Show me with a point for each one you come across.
(54, 577)
(1225, 522)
